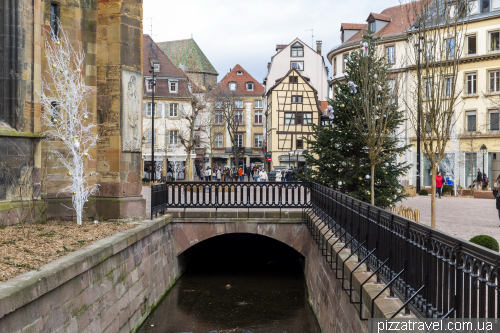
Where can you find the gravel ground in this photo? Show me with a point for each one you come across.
(458, 216)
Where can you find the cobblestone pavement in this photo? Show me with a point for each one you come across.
(458, 216)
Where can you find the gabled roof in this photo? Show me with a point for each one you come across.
(380, 17)
(240, 79)
(187, 52)
(352, 26)
(318, 103)
(306, 80)
(151, 52)
(293, 42)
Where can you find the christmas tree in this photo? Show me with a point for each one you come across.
(339, 153)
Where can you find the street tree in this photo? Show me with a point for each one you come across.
(193, 124)
(224, 113)
(436, 40)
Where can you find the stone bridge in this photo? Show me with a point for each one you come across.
(290, 229)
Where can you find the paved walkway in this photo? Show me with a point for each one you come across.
(458, 216)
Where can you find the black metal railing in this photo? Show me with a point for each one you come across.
(278, 195)
(435, 275)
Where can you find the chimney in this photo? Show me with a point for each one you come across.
(318, 46)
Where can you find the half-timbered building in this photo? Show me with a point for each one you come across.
(292, 107)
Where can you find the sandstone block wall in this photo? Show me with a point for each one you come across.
(330, 303)
(110, 286)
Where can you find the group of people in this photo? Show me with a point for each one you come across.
(227, 174)
(481, 181)
(257, 174)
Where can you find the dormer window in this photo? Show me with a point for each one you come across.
(249, 86)
(239, 73)
(372, 26)
(297, 50)
(232, 86)
(150, 85)
(173, 86)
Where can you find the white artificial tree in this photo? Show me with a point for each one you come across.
(66, 118)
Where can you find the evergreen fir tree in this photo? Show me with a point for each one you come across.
(338, 153)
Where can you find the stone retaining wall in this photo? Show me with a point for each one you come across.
(330, 303)
(109, 286)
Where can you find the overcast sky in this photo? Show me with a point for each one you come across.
(232, 32)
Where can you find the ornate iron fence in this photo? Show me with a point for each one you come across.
(217, 195)
(436, 275)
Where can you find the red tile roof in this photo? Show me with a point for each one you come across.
(351, 26)
(241, 89)
(151, 51)
(402, 17)
(380, 17)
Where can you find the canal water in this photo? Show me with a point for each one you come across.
(237, 283)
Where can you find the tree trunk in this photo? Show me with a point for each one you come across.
(236, 157)
(188, 167)
(372, 184)
(433, 197)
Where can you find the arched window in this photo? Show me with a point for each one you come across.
(297, 50)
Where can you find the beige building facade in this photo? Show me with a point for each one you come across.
(240, 87)
(292, 107)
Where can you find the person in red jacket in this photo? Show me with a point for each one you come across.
(439, 184)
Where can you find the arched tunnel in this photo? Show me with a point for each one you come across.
(237, 282)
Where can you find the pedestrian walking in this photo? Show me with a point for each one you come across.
(278, 176)
(202, 175)
(255, 174)
(496, 194)
(208, 174)
(263, 176)
(236, 175)
(479, 179)
(240, 174)
(224, 174)
(486, 181)
(439, 184)
(219, 175)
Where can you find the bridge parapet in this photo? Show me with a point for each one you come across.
(190, 228)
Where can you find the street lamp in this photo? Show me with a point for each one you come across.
(290, 153)
(152, 81)
(483, 151)
(297, 153)
(153, 88)
(305, 152)
(419, 79)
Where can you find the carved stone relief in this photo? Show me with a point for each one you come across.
(132, 111)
